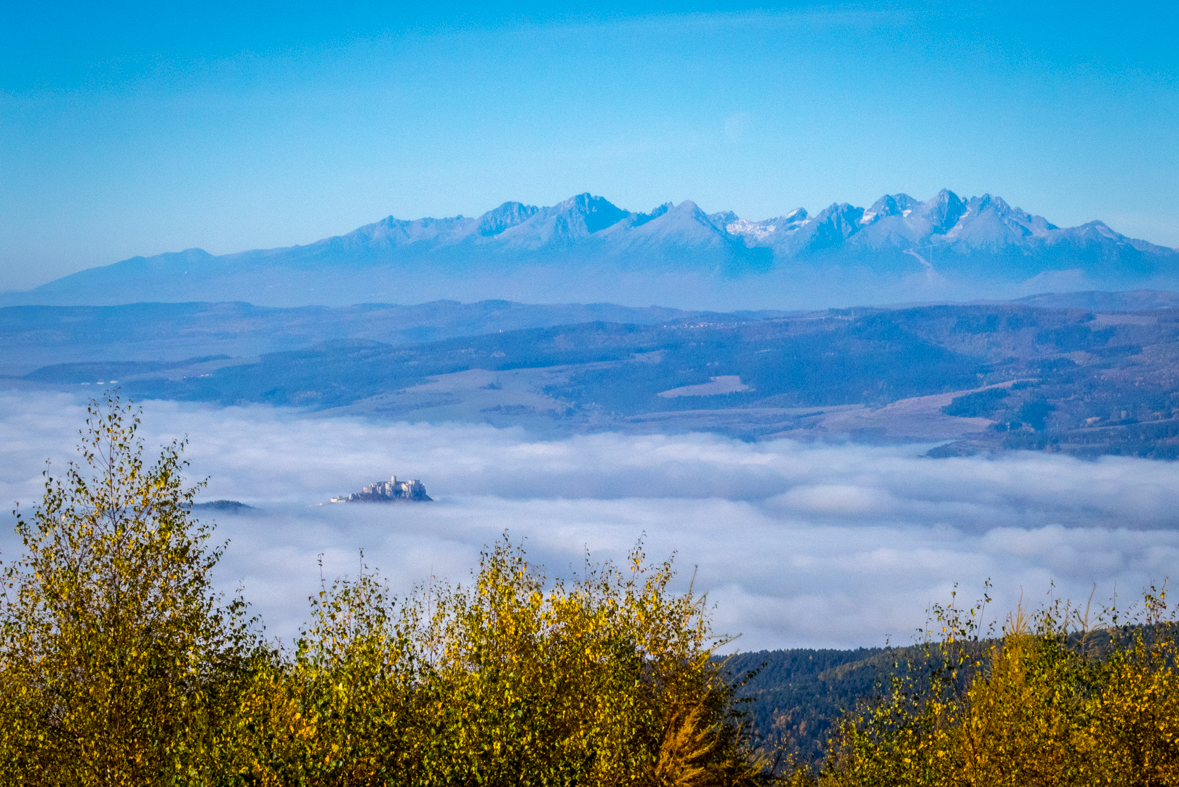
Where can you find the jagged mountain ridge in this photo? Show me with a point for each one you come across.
(585, 221)
(894, 221)
(588, 249)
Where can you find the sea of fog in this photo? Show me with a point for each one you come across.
(796, 545)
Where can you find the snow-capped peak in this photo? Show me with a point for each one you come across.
(753, 229)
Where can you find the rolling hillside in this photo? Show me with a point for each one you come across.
(985, 377)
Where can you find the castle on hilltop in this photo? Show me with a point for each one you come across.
(385, 491)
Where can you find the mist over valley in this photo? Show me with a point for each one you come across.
(797, 544)
(823, 477)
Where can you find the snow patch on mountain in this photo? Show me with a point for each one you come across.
(754, 229)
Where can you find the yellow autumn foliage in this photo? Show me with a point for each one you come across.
(119, 667)
(1048, 702)
(511, 679)
(117, 664)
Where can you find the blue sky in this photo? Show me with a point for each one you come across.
(137, 128)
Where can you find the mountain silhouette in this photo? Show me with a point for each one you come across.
(586, 249)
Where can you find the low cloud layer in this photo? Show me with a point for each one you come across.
(796, 544)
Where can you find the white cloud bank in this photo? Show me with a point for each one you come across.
(797, 545)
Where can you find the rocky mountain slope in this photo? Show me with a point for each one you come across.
(587, 249)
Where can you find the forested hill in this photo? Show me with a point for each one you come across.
(986, 377)
(34, 336)
(795, 698)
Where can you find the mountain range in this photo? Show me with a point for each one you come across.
(587, 249)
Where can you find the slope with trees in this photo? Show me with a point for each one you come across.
(119, 665)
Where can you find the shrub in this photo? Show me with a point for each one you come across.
(509, 680)
(1048, 702)
(116, 660)
(120, 666)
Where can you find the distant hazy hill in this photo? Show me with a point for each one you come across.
(35, 336)
(586, 249)
(1137, 300)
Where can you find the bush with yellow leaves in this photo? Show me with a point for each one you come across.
(509, 680)
(1050, 701)
(119, 666)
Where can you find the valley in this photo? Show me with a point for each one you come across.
(976, 378)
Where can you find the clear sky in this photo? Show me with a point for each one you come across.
(136, 128)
